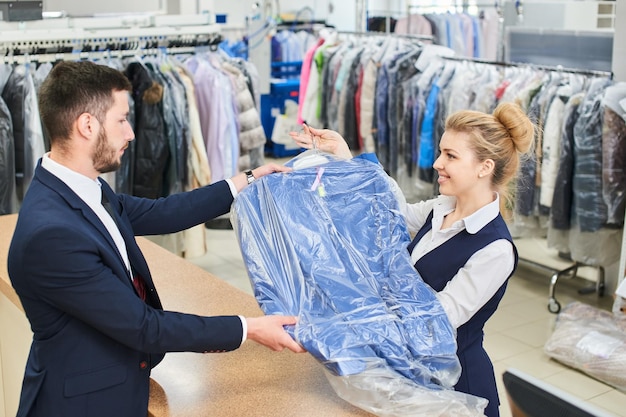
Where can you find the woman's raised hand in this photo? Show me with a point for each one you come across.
(325, 140)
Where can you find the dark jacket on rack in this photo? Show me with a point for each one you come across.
(526, 196)
(151, 148)
(19, 95)
(174, 174)
(561, 210)
(381, 104)
(125, 174)
(8, 198)
(591, 211)
(327, 76)
(403, 69)
(350, 128)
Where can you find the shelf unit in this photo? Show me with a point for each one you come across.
(568, 15)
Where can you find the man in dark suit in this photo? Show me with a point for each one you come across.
(98, 324)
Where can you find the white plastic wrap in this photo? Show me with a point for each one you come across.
(592, 341)
(327, 243)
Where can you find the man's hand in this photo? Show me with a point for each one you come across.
(268, 331)
(241, 180)
(269, 169)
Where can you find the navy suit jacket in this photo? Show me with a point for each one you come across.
(94, 339)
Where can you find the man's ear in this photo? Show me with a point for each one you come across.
(85, 125)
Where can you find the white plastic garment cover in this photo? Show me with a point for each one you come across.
(592, 341)
(327, 243)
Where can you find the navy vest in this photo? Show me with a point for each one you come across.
(439, 266)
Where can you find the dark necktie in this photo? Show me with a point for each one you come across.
(108, 207)
(138, 282)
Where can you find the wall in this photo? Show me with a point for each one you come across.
(89, 8)
(340, 14)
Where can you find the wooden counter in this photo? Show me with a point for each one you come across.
(251, 381)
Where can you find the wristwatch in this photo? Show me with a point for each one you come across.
(249, 176)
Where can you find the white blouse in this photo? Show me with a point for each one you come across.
(485, 271)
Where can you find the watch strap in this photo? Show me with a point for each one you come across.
(249, 176)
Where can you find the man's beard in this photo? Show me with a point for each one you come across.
(104, 157)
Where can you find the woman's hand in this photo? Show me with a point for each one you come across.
(323, 139)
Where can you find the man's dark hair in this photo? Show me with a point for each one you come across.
(74, 88)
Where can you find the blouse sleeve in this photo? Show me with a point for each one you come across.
(416, 213)
(478, 280)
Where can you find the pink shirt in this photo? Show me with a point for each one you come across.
(304, 76)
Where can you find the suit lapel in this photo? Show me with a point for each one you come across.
(75, 202)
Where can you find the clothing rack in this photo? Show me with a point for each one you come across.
(592, 73)
(99, 55)
(374, 34)
(464, 8)
(57, 39)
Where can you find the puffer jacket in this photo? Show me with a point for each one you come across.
(152, 151)
(251, 133)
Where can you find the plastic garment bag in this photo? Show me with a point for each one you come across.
(8, 196)
(590, 208)
(327, 243)
(614, 153)
(591, 340)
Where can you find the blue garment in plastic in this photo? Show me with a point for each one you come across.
(328, 244)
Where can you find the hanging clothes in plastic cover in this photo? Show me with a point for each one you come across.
(327, 243)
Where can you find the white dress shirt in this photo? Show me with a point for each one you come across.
(485, 271)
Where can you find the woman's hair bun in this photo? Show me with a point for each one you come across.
(516, 122)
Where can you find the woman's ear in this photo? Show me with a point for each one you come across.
(487, 168)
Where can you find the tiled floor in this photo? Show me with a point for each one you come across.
(514, 336)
